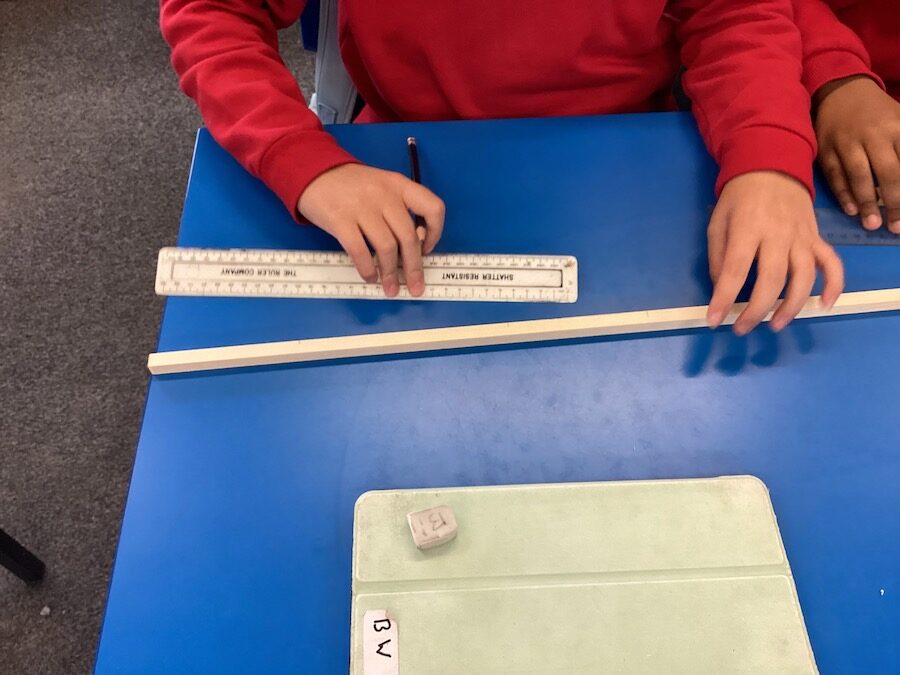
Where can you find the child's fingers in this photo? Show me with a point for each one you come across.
(382, 240)
(410, 248)
(803, 276)
(837, 179)
(353, 243)
(895, 229)
(887, 167)
(832, 272)
(859, 172)
(424, 202)
(771, 273)
(715, 244)
(739, 254)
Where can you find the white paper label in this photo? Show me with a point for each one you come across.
(381, 644)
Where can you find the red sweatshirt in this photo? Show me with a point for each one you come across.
(877, 22)
(414, 60)
(832, 51)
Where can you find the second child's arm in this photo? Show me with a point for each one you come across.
(743, 74)
(857, 122)
(226, 55)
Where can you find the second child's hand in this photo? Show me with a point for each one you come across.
(858, 128)
(363, 207)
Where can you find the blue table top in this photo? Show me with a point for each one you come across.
(235, 548)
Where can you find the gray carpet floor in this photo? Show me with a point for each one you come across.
(95, 142)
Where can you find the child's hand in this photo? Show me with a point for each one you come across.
(358, 204)
(767, 216)
(858, 127)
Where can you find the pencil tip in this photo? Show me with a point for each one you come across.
(411, 140)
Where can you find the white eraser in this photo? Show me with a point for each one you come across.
(432, 527)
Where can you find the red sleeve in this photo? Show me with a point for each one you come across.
(742, 74)
(226, 55)
(830, 49)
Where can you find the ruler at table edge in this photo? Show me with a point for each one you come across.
(839, 229)
(329, 274)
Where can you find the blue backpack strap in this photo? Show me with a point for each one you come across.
(335, 95)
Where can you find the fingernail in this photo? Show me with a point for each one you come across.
(850, 209)
(873, 221)
(895, 227)
(740, 330)
(416, 287)
(714, 319)
(777, 325)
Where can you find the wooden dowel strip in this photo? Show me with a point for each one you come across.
(482, 335)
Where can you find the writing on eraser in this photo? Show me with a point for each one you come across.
(381, 644)
(432, 527)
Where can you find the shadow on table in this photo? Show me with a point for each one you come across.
(760, 348)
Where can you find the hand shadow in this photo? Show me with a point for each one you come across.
(761, 348)
(735, 350)
(371, 312)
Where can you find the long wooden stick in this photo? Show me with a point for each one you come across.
(459, 337)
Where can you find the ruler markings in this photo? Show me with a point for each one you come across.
(269, 273)
(842, 230)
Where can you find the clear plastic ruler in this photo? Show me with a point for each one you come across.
(326, 274)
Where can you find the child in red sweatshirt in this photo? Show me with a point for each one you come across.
(857, 123)
(467, 59)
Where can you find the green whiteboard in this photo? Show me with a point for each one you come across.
(676, 576)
